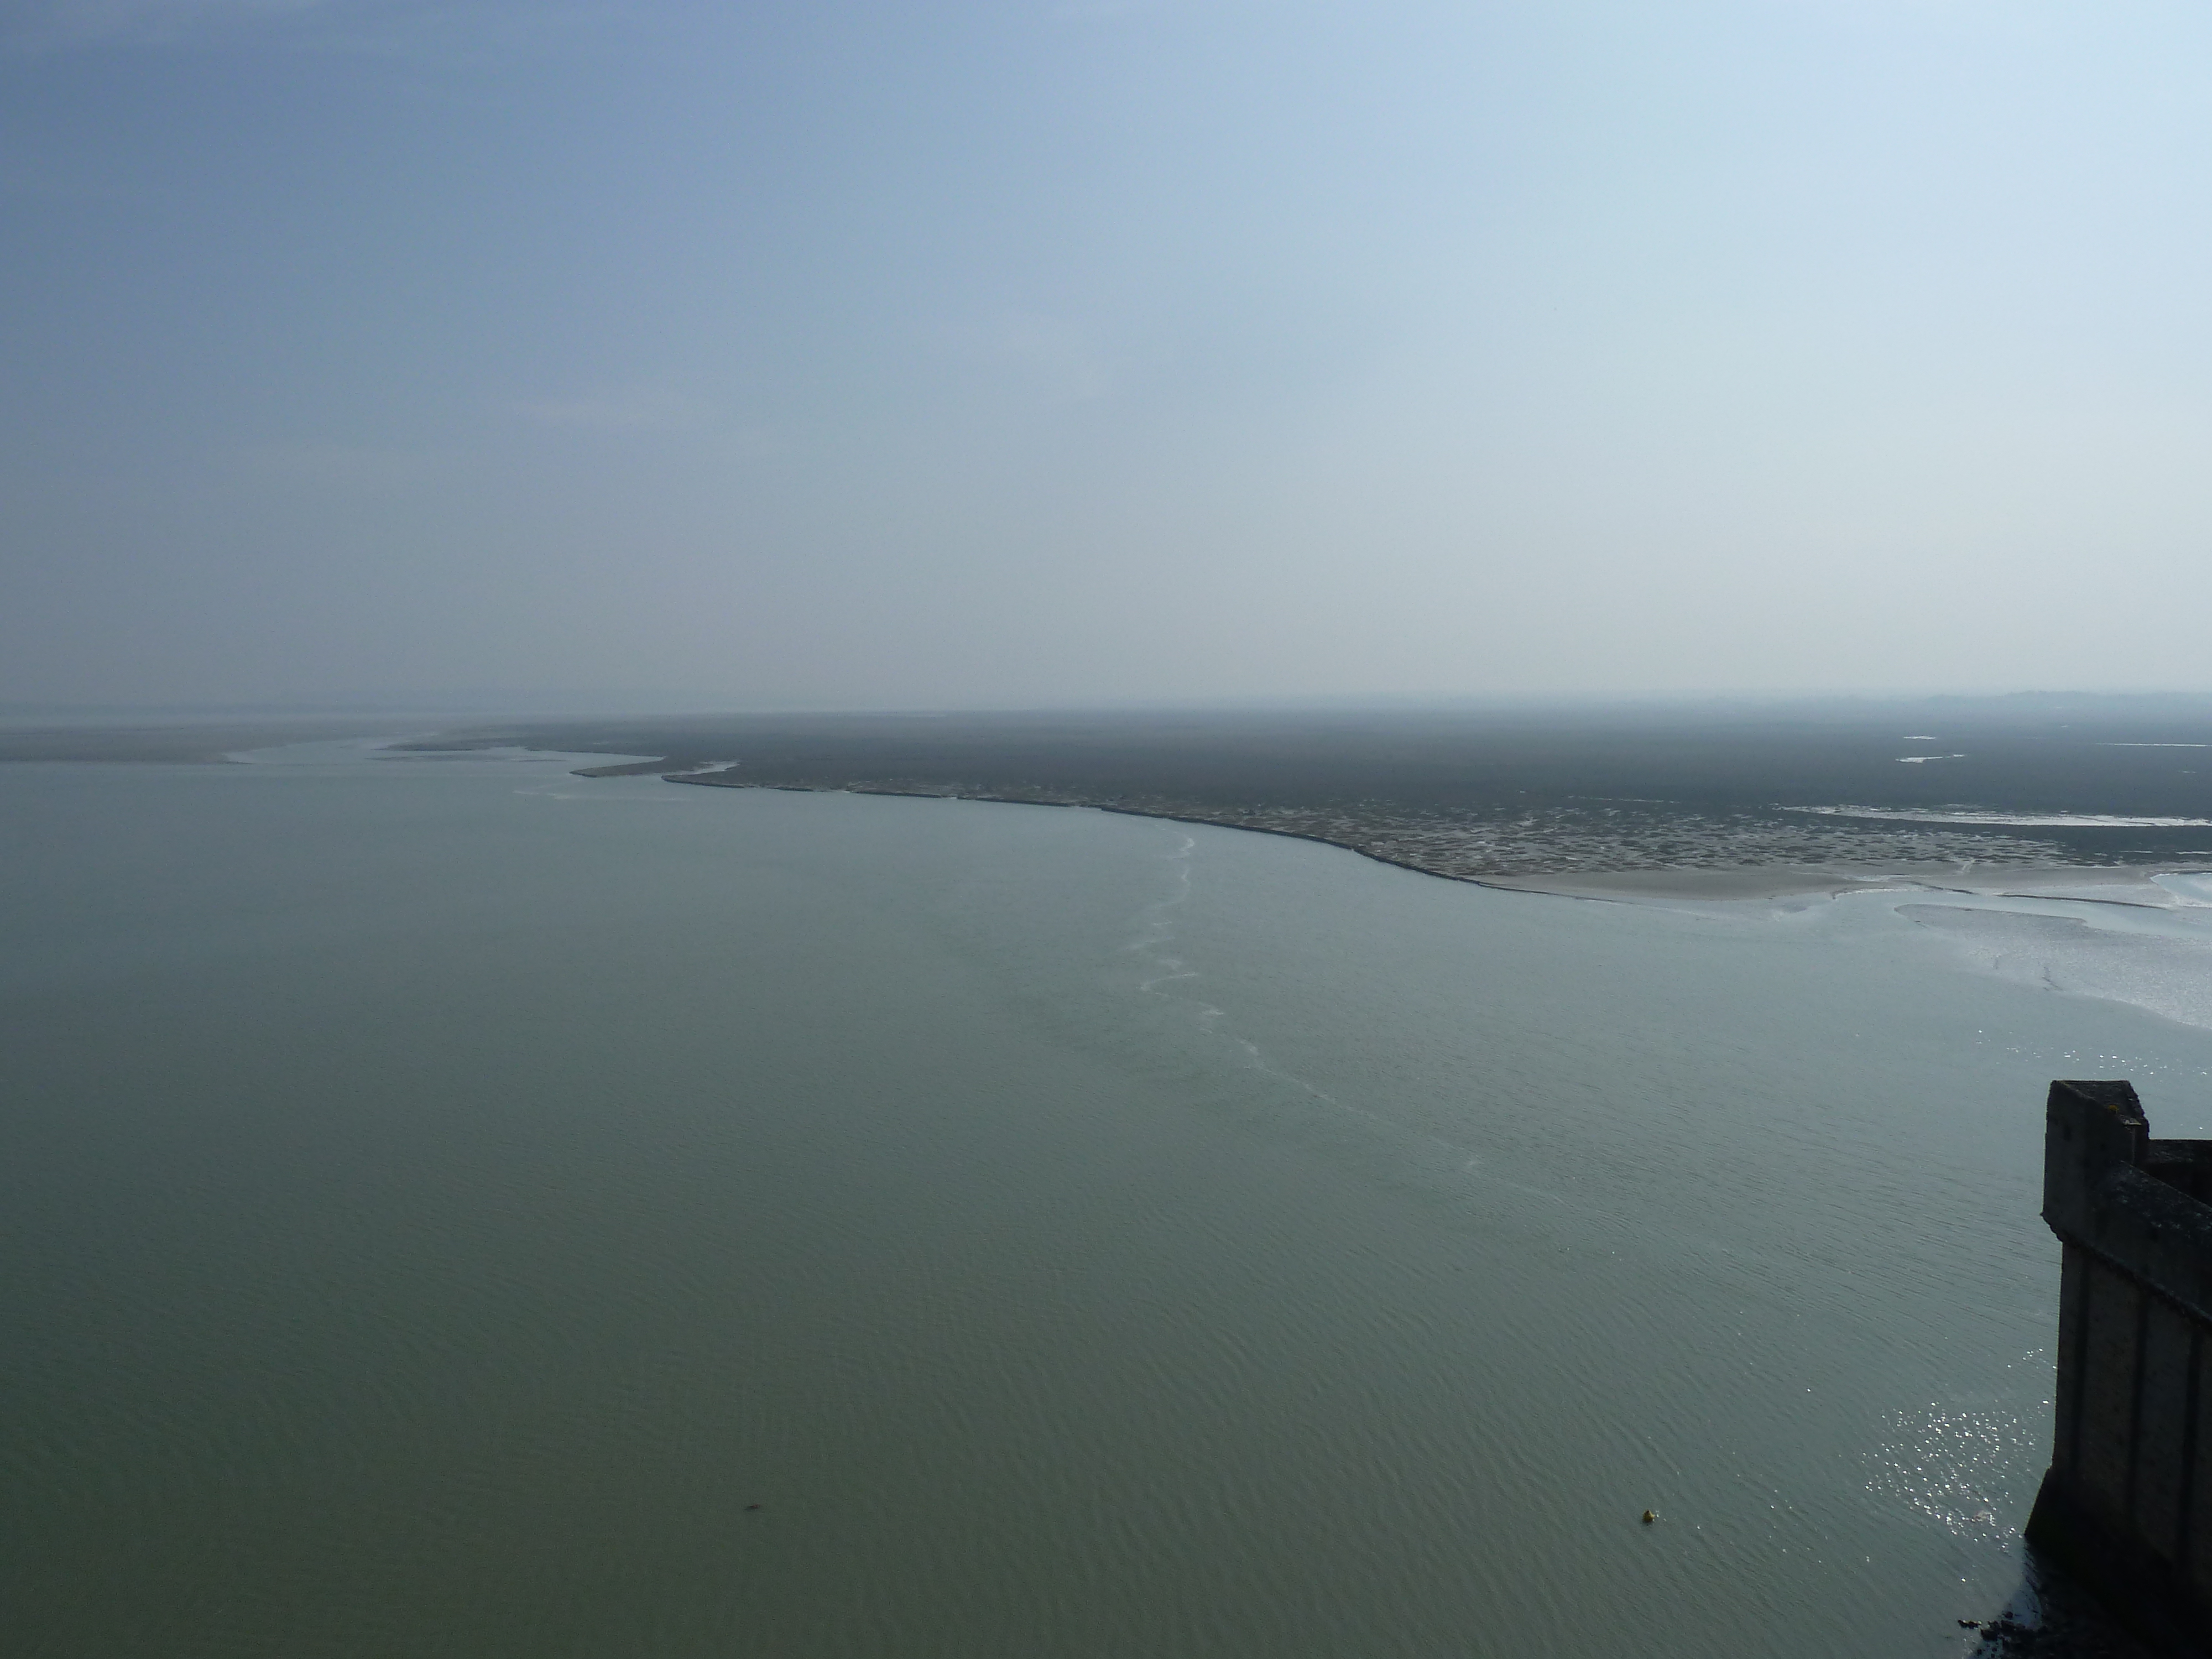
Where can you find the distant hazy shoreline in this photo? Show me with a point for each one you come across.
(184, 743)
(1625, 802)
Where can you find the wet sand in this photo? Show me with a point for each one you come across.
(2108, 884)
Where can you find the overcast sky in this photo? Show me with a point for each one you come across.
(1059, 351)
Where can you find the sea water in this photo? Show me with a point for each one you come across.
(456, 1208)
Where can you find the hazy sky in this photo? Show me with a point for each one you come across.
(1009, 351)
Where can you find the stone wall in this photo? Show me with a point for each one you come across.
(2127, 1506)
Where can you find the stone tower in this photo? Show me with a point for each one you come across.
(2127, 1506)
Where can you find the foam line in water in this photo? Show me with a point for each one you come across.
(1971, 816)
(1158, 929)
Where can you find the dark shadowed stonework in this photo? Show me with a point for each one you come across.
(2127, 1506)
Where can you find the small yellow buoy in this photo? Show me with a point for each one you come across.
(1648, 1517)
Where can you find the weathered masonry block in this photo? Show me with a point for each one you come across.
(2127, 1506)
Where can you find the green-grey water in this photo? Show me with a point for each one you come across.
(452, 1208)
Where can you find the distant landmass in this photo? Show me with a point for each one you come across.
(1832, 792)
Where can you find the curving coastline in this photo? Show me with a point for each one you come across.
(1990, 869)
